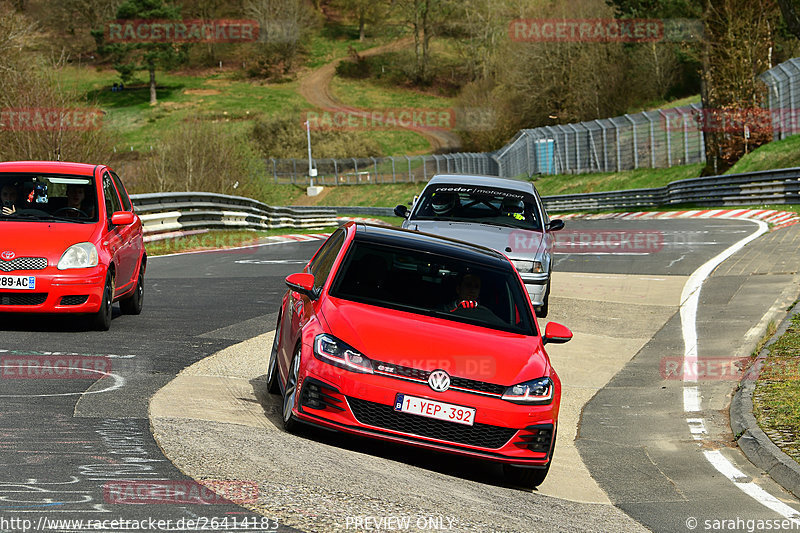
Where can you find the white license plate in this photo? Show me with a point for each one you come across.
(434, 409)
(18, 283)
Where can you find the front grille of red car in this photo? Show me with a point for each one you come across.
(421, 376)
(384, 416)
(24, 263)
(22, 298)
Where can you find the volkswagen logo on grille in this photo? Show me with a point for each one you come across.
(8, 255)
(439, 380)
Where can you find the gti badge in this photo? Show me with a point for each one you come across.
(8, 255)
(439, 380)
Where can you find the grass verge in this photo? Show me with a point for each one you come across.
(218, 239)
(775, 402)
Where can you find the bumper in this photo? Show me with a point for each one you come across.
(536, 285)
(362, 404)
(57, 291)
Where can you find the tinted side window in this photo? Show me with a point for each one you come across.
(123, 194)
(110, 193)
(323, 261)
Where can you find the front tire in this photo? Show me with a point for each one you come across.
(525, 477)
(290, 393)
(541, 311)
(101, 321)
(529, 477)
(272, 365)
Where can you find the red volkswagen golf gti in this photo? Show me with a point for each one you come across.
(69, 241)
(403, 336)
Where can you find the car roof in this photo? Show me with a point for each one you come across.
(426, 242)
(485, 181)
(55, 167)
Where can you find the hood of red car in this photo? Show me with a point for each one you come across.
(428, 343)
(42, 239)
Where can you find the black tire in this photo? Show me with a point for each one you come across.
(541, 311)
(132, 305)
(272, 364)
(525, 477)
(529, 477)
(289, 392)
(101, 321)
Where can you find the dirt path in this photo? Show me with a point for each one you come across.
(316, 88)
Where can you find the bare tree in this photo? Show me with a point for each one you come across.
(424, 18)
(363, 12)
(738, 41)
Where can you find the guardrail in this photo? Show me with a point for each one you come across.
(753, 188)
(187, 211)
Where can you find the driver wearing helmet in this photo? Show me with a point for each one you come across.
(443, 203)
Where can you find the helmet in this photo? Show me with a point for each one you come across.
(443, 202)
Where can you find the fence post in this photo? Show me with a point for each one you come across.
(274, 169)
(294, 171)
(410, 177)
(635, 143)
(669, 141)
(652, 142)
(394, 174)
(336, 171)
(424, 168)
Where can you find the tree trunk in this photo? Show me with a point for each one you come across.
(791, 15)
(153, 100)
(361, 23)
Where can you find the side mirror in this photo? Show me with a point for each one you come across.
(122, 218)
(303, 283)
(401, 211)
(555, 224)
(556, 333)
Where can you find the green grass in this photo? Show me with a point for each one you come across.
(215, 97)
(642, 178)
(777, 154)
(213, 240)
(775, 398)
(365, 94)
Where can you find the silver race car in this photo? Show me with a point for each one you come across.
(504, 214)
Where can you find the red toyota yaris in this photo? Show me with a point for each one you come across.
(70, 241)
(414, 338)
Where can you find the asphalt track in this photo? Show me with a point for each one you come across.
(633, 450)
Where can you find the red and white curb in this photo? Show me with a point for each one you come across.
(777, 219)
